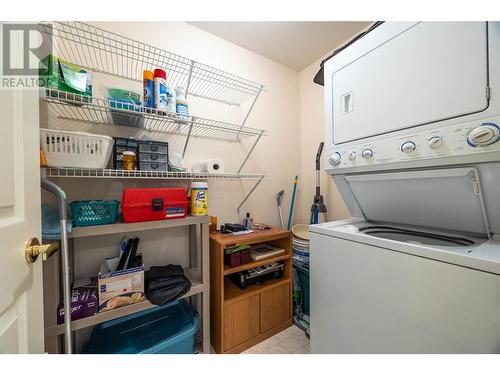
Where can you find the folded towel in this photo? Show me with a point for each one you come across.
(51, 228)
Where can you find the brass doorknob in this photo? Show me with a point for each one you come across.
(34, 249)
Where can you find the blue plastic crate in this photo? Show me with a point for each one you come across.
(168, 329)
(86, 213)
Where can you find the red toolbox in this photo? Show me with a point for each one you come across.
(153, 204)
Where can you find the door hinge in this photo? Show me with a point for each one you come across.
(475, 186)
(488, 92)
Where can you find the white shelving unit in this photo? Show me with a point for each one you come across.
(102, 51)
(98, 50)
(197, 273)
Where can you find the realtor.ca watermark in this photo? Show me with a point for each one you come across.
(25, 48)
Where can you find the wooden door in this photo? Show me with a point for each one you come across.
(21, 305)
(275, 306)
(241, 321)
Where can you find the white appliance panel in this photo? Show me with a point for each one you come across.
(366, 299)
(443, 198)
(453, 141)
(429, 72)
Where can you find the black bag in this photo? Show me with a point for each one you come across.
(166, 283)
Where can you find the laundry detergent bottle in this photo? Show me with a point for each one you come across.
(161, 90)
(148, 81)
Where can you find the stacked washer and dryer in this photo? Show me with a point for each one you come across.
(412, 131)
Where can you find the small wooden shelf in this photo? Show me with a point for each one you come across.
(247, 266)
(98, 230)
(197, 287)
(241, 318)
(232, 292)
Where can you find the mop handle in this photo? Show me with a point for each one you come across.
(296, 179)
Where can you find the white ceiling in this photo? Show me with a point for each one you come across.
(294, 44)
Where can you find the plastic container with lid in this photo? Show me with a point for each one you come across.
(199, 198)
(167, 329)
(160, 90)
(129, 160)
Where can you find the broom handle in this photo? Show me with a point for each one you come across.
(293, 202)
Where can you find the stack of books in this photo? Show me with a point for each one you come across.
(263, 251)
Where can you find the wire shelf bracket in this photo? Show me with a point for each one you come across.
(250, 110)
(261, 178)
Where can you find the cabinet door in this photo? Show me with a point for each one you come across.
(241, 321)
(275, 306)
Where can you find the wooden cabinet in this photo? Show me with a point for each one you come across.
(275, 307)
(241, 321)
(243, 318)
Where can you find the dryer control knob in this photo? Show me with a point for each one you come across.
(408, 147)
(367, 153)
(435, 142)
(334, 158)
(352, 155)
(484, 135)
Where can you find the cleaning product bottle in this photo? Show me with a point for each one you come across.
(160, 90)
(148, 82)
(171, 101)
(199, 198)
(248, 221)
(181, 106)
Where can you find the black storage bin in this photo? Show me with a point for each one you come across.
(120, 146)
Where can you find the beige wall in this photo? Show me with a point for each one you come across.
(276, 111)
(312, 131)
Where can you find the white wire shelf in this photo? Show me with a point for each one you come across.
(156, 175)
(96, 49)
(104, 111)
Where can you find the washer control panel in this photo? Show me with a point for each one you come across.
(455, 140)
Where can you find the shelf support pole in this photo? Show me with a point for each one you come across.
(251, 150)
(249, 194)
(189, 78)
(187, 138)
(249, 111)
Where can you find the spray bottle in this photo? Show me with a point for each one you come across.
(160, 90)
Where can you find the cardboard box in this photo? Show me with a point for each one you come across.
(83, 302)
(64, 76)
(119, 288)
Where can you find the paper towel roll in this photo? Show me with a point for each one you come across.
(215, 165)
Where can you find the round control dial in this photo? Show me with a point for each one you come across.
(334, 158)
(367, 153)
(408, 147)
(483, 135)
(352, 155)
(435, 142)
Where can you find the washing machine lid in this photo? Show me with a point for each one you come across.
(448, 199)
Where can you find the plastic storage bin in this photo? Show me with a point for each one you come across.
(123, 104)
(153, 166)
(151, 146)
(75, 149)
(303, 274)
(86, 213)
(122, 145)
(168, 329)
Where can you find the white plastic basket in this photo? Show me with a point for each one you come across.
(65, 149)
